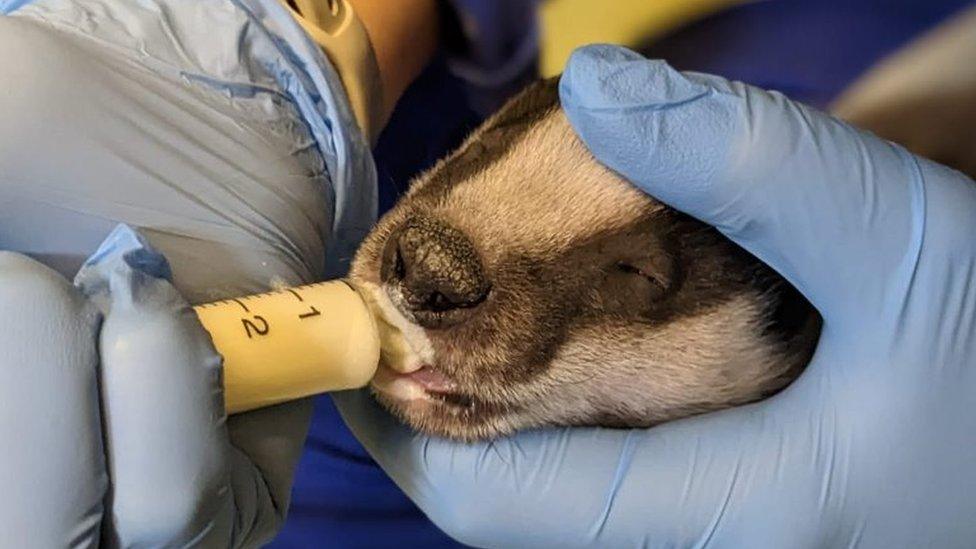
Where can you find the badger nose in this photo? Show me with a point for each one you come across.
(437, 271)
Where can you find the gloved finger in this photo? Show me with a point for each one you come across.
(52, 470)
(837, 211)
(673, 485)
(162, 404)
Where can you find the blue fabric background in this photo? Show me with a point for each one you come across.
(807, 49)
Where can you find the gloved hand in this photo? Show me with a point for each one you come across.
(158, 417)
(222, 133)
(873, 444)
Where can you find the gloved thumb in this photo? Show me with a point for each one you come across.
(831, 208)
(162, 409)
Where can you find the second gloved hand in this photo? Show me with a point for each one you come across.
(114, 400)
(871, 446)
(164, 429)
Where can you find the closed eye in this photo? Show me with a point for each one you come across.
(656, 278)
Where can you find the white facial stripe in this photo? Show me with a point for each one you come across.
(581, 196)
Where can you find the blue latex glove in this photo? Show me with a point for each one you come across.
(872, 446)
(115, 379)
(220, 131)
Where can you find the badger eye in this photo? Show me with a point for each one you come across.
(656, 277)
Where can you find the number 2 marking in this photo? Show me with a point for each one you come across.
(310, 314)
(252, 327)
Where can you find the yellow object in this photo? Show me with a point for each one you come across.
(568, 24)
(334, 26)
(293, 343)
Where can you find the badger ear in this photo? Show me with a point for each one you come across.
(657, 266)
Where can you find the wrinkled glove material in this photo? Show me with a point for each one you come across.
(219, 135)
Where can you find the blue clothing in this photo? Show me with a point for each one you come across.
(808, 49)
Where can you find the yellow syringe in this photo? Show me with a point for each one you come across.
(292, 343)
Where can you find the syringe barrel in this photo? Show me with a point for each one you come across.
(292, 343)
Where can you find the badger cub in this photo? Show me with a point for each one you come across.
(535, 287)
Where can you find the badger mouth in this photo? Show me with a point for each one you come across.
(441, 387)
(426, 384)
(421, 394)
(430, 402)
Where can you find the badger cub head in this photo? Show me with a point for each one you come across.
(535, 287)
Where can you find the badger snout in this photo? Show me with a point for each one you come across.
(433, 273)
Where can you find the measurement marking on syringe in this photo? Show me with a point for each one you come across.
(257, 320)
(312, 312)
(294, 293)
(258, 325)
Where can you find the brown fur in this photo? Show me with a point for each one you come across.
(603, 306)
